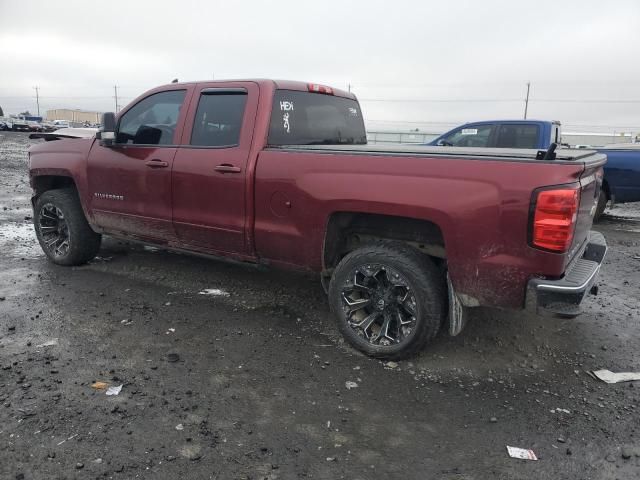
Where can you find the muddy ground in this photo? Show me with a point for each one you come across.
(248, 381)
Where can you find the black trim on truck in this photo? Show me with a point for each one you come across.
(562, 297)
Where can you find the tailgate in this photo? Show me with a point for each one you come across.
(590, 185)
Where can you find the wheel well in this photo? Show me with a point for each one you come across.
(346, 231)
(605, 189)
(44, 183)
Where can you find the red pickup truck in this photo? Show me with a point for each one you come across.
(406, 239)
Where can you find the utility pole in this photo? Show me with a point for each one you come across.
(115, 96)
(37, 98)
(526, 101)
(349, 87)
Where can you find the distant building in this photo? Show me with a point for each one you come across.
(596, 139)
(74, 116)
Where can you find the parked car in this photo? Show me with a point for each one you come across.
(61, 124)
(18, 124)
(405, 239)
(621, 175)
(537, 134)
(621, 182)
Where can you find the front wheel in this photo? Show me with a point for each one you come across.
(62, 229)
(388, 299)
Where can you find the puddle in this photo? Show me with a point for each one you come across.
(19, 240)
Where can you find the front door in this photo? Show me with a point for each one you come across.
(130, 182)
(210, 167)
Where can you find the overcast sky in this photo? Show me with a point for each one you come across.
(423, 64)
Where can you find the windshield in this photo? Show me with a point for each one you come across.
(304, 118)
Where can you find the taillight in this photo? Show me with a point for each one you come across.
(554, 219)
(316, 88)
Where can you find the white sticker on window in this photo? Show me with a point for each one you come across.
(353, 112)
(285, 120)
(286, 106)
(469, 131)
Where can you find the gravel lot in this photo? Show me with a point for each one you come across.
(248, 379)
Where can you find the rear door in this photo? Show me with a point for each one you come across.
(210, 167)
(130, 182)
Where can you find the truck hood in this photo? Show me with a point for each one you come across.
(66, 133)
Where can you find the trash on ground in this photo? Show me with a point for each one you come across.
(126, 321)
(350, 385)
(179, 427)
(216, 292)
(171, 330)
(521, 453)
(610, 377)
(390, 365)
(561, 410)
(51, 343)
(114, 390)
(99, 385)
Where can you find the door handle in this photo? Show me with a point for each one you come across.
(227, 168)
(155, 163)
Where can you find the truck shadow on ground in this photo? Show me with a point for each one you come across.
(493, 340)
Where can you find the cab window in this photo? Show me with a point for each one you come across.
(152, 121)
(219, 118)
(518, 136)
(469, 136)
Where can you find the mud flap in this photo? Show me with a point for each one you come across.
(457, 313)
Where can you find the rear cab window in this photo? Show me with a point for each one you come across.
(307, 118)
(518, 136)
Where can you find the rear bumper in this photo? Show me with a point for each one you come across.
(563, 297)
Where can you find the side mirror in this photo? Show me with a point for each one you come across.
(107, 134)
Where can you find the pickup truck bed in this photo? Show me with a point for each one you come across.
(405, 238)
(515, 154)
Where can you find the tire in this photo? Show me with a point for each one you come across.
(412, 305)
(62, 229)
(602, 204)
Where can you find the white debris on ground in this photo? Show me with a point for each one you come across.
(350, 385)
(625, 210)
(216, 292)
(114, 390)
(19, 240)
(610, 377)
(521, 453)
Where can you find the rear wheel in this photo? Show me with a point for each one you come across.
(388, 299)
(601, 206)
(62, 229)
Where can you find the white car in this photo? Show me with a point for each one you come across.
(61, 124)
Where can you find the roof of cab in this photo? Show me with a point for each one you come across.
(525, 120)
(279, 84)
